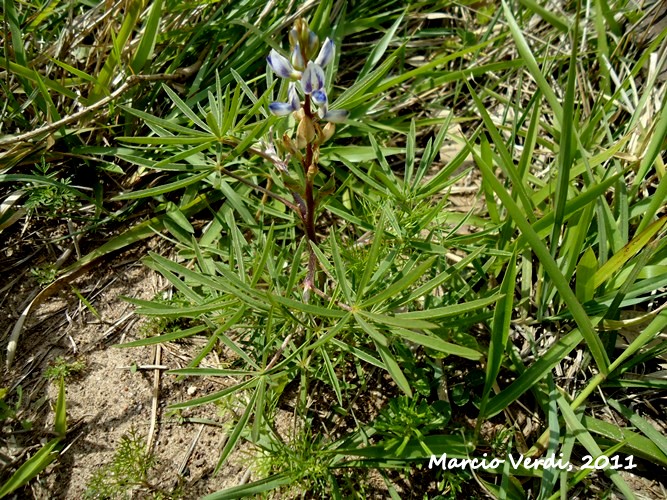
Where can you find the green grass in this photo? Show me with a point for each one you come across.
(468, 311)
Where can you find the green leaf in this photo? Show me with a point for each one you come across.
(391, 321)
(588, 265)
(61, 411)
(552, 18)
(32, 467)
(583, 436)
(130, 18)
(234, 437)
(449, 311)
(535, 372)
(401, 284)
(528, 58)
(210, 398)
(147, 43)
(437, 344)
(390, 363)
(500, 330)
(339, 269)
(251, 489)
(380, 47)
(642, 239)
(373, 255)
(167, 337)
(307, 308)
(656, 438)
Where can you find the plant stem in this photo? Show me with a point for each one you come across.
(310, 171)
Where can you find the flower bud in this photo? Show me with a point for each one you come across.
(319, 97)
(280, 108)
(301, 27)
(293, 97)
(297, 58)
(293, 37)
(313, 44)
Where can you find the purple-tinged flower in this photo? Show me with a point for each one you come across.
(313, 44)
(319, 97)
(281, 65)
(285, 108)
(281, 108)
(336, 115)
(293, 37)
(326, 53)
(297, 58)
(312, 78)
(293, 96)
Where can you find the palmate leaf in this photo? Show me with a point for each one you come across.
(166, 124)
(401, 284)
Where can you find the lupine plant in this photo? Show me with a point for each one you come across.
(308, 103)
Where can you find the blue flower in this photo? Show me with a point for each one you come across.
(335, 115)
(319, 97)
(312, 78)
(281, 66)
(285, 108)
(326, 53)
